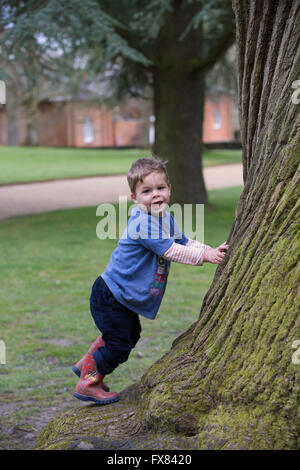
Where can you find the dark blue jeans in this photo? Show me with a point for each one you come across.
(120, 327)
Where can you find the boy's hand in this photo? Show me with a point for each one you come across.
(215, 255)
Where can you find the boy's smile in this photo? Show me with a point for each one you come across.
(153, 192)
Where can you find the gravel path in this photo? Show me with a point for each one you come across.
(34, 198)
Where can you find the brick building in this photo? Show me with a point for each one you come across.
(81, 124)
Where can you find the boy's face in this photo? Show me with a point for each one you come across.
(153, 192)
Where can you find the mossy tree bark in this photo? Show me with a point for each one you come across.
(229, 382)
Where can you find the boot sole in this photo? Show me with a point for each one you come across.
(95, 400)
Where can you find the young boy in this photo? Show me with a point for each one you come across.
(135, 279)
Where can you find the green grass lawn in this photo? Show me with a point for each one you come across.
(47, 266)
(23, 164)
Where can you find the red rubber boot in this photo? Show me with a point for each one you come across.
(78, 366)
(89, 387)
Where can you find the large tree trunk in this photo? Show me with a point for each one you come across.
(178, 102)
(230, 381)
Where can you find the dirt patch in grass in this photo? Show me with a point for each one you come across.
(21, 434)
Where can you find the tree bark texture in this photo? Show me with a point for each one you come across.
(229, 382)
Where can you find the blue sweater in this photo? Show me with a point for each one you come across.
(137, 274)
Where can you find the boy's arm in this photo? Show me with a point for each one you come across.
(185, 254)
(195, 254)
(191, 253)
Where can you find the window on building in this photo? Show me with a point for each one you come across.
(217, 119)
(88, 130)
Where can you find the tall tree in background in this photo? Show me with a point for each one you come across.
(231, 381)
(168, 45)
(179, 73)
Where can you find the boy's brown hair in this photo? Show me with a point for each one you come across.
(143, 167)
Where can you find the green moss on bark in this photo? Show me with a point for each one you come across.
(230, 428)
